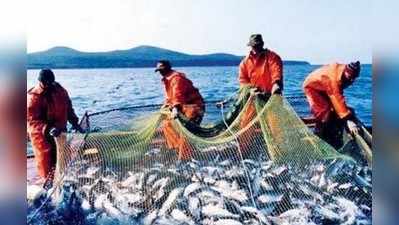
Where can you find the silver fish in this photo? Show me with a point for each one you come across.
(227, 222)
(217, 211)
(170, 201)
(181, 217)
(255, 213)
(270, 198)
(194, 205)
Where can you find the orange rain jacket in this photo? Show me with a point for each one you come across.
(261, 71)
(324, 91)
(179, 91)
(47, 109)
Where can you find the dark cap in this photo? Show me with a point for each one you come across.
(163, 64)
(46, 76)
(255, 39)
(353, 68)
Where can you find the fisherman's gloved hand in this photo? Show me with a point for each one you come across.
(174, 113)
(55, 132)
(352, 127)
(164, 106)
(276, 89)
(255, 91)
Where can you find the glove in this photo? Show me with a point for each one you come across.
(255, 91)
(165, 106)
(79, 129)
(352, 127)
(276, 89)
(174, 113)
(55, 132)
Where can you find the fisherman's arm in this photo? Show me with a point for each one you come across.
(178, 95)
(276, 70)
(337, 98)
(340, 107)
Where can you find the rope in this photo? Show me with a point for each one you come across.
(159, 105)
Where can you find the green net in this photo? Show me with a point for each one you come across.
(260, 164)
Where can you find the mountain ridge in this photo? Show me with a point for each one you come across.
(63, 57)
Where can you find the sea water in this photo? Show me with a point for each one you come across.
(102, 89)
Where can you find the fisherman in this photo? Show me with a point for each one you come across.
(180, 97)
(48, 110)
(324, 91)
(261, 69)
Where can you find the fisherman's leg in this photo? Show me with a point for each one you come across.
(330, 130)
(42, 151)
(194, 113)
(185, 149)
(335, 131)
(171, 136)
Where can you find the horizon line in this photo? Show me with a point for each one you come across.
(63, 46)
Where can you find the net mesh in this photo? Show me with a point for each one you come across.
(259, 164)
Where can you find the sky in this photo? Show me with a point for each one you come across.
(315, 31)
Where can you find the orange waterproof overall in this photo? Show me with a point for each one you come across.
(179, 91)
(46, 109)
(324, 91)
(262, 72)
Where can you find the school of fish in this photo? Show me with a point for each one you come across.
(218, 191)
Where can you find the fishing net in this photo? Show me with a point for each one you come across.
(258, 164)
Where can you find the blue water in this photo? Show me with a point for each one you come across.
(101, 89)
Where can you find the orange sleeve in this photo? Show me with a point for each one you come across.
(178, 87)
(334, 92)
(276, 69)
(243, 74)
(167, 98)
(35, 120)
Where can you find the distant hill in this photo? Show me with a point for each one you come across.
(141, 56)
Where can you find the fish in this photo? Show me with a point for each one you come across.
(193, 206)
(170, 201)
(181, 217)
(231, 191)
(216, 211)
(347, 210)
(362, 182)
(328, 214)
(270, 198)
(214, 191)
(293, 217)
(256, 214)
(150, 217)
(111, 210)
(227, 222)
(193, 187)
